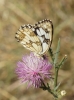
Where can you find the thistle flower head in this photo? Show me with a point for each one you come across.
(33, 69)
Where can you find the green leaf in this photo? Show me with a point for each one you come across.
(57, 53)
(51, 54)
(57, 87)
(62, 61)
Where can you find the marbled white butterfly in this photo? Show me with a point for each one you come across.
(36, 38)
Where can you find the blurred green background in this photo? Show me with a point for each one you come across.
(13, 14)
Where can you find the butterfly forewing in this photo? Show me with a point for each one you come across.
(47, 26)
(44, 31)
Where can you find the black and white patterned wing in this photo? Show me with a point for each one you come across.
(26, 36)
(44, 31)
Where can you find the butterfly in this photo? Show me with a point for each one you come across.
(36, 38)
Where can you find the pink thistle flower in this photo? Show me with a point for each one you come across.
(33, 69)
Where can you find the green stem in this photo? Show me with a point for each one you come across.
(53, 93)
(55, 81)
(44, 87)
(56, 77)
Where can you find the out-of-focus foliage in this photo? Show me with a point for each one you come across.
(13, 14)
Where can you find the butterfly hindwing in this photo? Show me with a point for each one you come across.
(26, 36)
